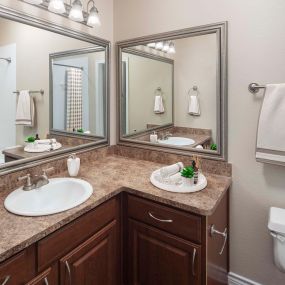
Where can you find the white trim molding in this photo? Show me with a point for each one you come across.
(235, 279)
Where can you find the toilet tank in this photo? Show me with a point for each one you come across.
(276, 226)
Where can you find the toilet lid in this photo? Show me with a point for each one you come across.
(276, 221)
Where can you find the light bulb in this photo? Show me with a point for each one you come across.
(165, 47)
(171, 48)
(159, 45)
(93, 18)
(76, 13)
(57, 6)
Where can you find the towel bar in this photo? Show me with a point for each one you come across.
(32, 92)
(254, 87)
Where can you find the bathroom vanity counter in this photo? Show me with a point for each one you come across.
(109, 176)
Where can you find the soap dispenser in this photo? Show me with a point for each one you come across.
(153, 137)
(73, 164)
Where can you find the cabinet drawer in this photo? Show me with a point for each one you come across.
(62, 241)
(19, 268)
(47, 277)
(171, 220)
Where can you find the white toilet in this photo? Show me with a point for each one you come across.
(276, 225)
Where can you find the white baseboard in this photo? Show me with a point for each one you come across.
(235, 279)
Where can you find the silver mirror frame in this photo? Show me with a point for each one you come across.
(220, 29)
(14, 15)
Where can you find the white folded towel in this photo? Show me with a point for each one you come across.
(194, 106)
(25, 109)
(158, 105)
(47, 141)
(170, 170)
(270, 145)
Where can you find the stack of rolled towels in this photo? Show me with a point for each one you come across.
(171, 174)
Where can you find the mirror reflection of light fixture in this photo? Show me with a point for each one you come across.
(57, 6)
(34, 2)
(159, 45)
(76, 11)
(165, 47)
(171, 48)
(93, 18)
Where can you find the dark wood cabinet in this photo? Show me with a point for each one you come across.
(128, 240)
(93, 262)
(19, 268)
(157, 257)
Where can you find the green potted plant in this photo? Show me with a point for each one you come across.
(187, 174)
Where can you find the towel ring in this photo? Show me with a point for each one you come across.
(158, 91)
(194, 88)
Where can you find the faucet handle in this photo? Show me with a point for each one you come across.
(29, 185)
(48, 170)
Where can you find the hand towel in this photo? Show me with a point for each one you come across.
(25, 109)
(194, 106)
(47, 141)
(170, 170)
(158, 105)
(270, 144)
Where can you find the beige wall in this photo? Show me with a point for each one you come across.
(256, 53)
(195, 64)
(145, 75)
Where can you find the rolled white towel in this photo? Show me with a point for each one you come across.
(171, 169)
(47, 141)
(199, 146)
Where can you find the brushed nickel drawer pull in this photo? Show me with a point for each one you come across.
(193, 261)
(224, 234)
(46, 281)
(160, 220)
(6, 280)
(69, 271)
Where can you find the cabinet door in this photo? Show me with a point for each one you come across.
(159, 258)
(19, 268)
(47, 277)
(94, 261)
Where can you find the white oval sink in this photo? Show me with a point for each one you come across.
(59, 195)
(177, 141)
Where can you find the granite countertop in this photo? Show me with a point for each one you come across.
(108, 176)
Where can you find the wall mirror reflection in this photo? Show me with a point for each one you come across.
(53, 92)
(173, 90)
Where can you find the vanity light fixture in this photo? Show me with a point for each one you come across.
(76, 11)
(73, 10)
(93, 18)
(57, 6)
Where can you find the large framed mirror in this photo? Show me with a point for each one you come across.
(54, 88)
(172, 91)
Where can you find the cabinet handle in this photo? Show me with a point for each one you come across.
(68, 270)
(160, 220)
(46, 281)
(193, 261)
(224, 234)
(6, 280)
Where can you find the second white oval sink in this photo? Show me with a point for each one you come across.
(59, 195)
(177, 141)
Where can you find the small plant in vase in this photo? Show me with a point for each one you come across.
(187, 174)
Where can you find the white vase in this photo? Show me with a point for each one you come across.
(188, 182)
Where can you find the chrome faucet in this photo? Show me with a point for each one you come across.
(37, 181)
(166, 136)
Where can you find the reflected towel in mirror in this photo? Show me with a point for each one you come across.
(25, 112)
(194, 106)
(158, 105)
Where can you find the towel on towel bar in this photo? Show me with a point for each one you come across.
(270, 145)
(158, 105)
(25, 112)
